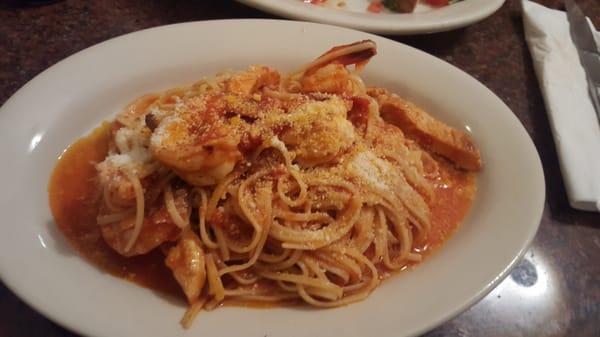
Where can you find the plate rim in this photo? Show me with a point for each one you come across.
(53, 315)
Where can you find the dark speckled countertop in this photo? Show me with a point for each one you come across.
(554, 290)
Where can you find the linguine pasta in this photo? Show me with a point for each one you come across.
(261, 187)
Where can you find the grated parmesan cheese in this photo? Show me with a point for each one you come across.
(371, 170)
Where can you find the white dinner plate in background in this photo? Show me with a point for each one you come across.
(425, 19)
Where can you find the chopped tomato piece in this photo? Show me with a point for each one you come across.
(375, 7)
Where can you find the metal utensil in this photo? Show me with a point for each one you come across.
(589, 54)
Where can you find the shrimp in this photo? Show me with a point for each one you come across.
(186, 261)
(128, 151)
(321, 131)
(200, 138)
(252, 80)
(158, 228)
(131, 154)
(197, 141)
(328, 73)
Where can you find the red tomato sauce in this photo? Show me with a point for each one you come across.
(75, 196)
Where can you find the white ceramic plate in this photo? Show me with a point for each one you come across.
(425, 19)
(66, 101)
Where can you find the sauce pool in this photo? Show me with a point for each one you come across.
(75, 196)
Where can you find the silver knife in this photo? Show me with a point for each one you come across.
(589, 55)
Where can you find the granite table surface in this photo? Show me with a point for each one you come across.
(553, 291)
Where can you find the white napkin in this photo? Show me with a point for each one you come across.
(574, 123)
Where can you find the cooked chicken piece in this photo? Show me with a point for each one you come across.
(428, 131)
(157, 228)
(186, 260)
